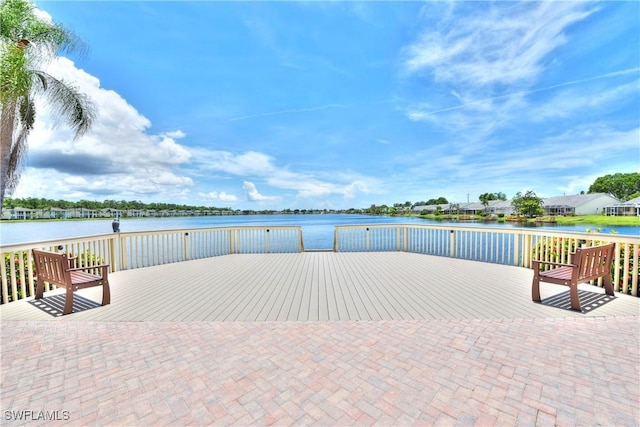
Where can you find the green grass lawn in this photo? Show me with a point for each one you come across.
(598, 220)
(601, 220)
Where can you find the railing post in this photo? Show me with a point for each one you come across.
(5, 285)
(186, 246)
(32, 264)
(335, 239)
(516, 249)
(367, 240)
(527, 250)
(268, 241)
(616, 271)
(452, 244)
(12, 270)
(112, 255)
(634, 273)
(23, 287)
(234, 236)
(300, 240)
(405, 238)
(123, 252)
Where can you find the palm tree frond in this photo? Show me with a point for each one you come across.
(27, 112)
(18, 150)
(67, 101)
(45, 39)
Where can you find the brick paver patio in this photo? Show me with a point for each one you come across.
(555, 371)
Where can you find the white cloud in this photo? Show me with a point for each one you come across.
(250, 163)
(504, 44)
(261, 166)
(227, 197)
(176, 134)
(215, 196)
(254, 196)
(486, 62)
(574, 101)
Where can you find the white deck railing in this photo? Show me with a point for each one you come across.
(123, 251)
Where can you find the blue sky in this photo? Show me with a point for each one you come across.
(272, 105)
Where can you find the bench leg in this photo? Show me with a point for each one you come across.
(106, 293)
(608, 286)
(575, 299)
(39, 288)
(535, 289)
(68, 301)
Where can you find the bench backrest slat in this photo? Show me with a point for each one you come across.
(594, 262)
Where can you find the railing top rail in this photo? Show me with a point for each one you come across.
(70, 240)
(222, 228)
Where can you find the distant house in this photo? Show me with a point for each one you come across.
(579, 204)
(85, 213)
(498, 207)
(628, 208)
(110, 213)
(474, 208)
(57, 213)
(470, 208)
(444, 208)
(23, 213)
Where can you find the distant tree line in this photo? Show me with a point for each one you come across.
(124, 205)
(41, 203)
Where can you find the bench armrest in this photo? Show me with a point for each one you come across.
(556, 264)
(89, 267)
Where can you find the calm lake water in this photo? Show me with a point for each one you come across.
(317, 230)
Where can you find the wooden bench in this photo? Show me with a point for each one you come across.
(586, 264)
(57, 269)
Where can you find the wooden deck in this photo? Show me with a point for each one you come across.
(323, 286)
